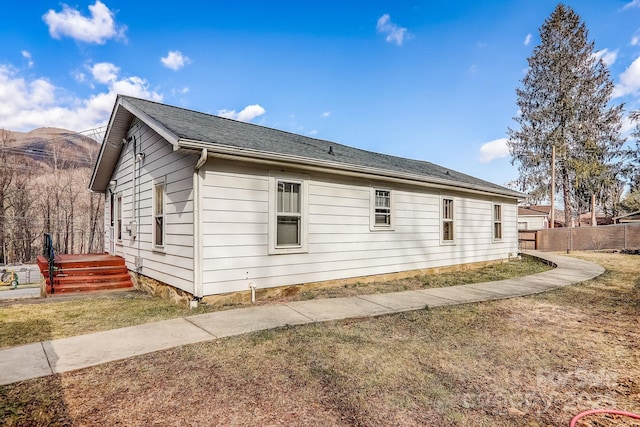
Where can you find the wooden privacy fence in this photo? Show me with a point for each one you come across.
(619, 236)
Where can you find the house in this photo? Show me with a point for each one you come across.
(211, 206)
(632, 217)
(537, 217)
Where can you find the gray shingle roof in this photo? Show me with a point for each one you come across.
(211, 129)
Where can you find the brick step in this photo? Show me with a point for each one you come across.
(66, 288)
(81, 261)
(87, 271)
(60, 279)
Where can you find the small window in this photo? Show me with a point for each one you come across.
(288, 213)
(447, 221)
(112, 204)
(381, 209)
(382, 214)
(497, 222)
(523, 225)
(119, 218)
(288, 228)
(158, 215)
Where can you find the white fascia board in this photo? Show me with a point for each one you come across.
(152, 123)
(218, 150)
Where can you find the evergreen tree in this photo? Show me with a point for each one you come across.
(631, 202)
(564, 104)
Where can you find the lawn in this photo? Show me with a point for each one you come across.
(530, 361)
(22, 323)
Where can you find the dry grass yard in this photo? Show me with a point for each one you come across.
(532, 361)
(40, 320)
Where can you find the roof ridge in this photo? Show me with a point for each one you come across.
(206, 128)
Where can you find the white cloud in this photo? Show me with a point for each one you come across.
(313, 132)
(629, 80)
(249, 113)
(98, 28)
(28, 104)
(635, 40)
(527, 39)
(608, 57)
(632, 4)
(27, 56)
(394, 33)
(79, 76)
(495, 149)
(105, 72)
(180, 91)
(326, 114)
(175, 60)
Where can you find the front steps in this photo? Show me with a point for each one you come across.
(85, 273)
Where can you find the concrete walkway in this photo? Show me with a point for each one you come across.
(68, 354)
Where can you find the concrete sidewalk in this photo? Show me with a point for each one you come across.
(68, 354)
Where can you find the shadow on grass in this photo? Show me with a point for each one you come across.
(36, 402)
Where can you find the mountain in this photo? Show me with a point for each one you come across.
(51, 148)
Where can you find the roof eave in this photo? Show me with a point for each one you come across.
(349, 169)
(117, 129)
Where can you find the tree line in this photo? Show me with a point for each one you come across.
(568, 139)
(47, 194)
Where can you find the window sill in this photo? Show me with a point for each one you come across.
(290, 250)
(389, 228)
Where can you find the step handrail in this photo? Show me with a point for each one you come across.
(49, 253)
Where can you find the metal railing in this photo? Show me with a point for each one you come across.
(50, 255)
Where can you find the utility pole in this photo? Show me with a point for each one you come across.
(552, 211)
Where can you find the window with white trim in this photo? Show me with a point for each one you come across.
(497, 222)
(158, 215)
(118, 216)
(448, 225)
(381, 209)
(288, 215)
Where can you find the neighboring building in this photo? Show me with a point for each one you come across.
(533, 217)
(211, 205)
(633, 217)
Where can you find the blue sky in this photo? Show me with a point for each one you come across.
(430, 80)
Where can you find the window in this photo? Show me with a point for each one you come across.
(447, 221)
(158, 215)
(119, 218)
(382, 209)
(523, 225)
(497, 222)
(112, 203)
(288, 214)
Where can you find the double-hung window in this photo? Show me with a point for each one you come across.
(448, 226)
(158, 215)
(288, 213)
(119, 218)
(497, 222)
(381, 216)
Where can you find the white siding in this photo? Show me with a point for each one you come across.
(340, 242)
(174, 264)
(534, 222)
